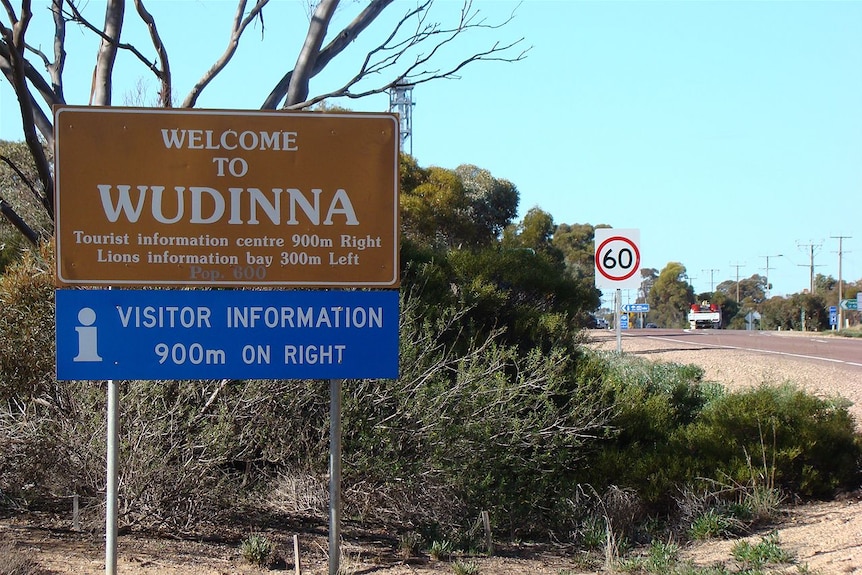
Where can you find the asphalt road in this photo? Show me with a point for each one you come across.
(814, 347)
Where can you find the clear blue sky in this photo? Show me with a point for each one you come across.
(724, 131)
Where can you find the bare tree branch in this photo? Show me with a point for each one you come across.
(55, 69)
(305, 63)
(164, 74)
(341, 41)
(14, 40)
(104, 71)
(75, 15)
(239, 26)
(40, 119)
(10, 214)
(392, 51)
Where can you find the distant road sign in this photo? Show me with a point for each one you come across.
(235, 334)
(636, 308)
(850, 304)
(618, 258)
(624, 322)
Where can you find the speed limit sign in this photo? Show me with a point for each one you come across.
(618, 258)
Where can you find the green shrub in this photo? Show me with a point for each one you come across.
(410, 544)
(257, 550)
(462, 567)
(671, 428)
(651, 404)
(778, 437)
(441, 549)
(712, 524)
(767, 551)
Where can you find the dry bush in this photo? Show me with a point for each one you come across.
(296, 492)
(16, 562)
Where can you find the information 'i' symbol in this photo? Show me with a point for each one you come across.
(87, 336)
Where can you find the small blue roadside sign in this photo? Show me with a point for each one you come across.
(833, 315)
(636, 307)
(236, 334)
(624, 321)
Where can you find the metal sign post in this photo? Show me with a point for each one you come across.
(112, 479)
(334, 475)
(618, 298)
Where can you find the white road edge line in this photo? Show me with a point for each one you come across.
(767, 351)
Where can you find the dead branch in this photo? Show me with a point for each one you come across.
(393, 51)
(10, 214)
(164, 73)
(338, 44)
(239, 26)
(16, 65)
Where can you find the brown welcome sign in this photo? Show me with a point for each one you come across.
(235, 198)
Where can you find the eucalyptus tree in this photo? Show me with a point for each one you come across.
(670, 296)
(414, 47)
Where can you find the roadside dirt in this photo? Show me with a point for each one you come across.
(824, 538)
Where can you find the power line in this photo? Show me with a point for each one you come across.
(840, 279)
(711, 279)
(737, 266)
(810, 247)
(766, 295)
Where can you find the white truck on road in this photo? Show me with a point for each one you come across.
(704, 315)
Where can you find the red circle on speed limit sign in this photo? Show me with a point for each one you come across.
(618, 258)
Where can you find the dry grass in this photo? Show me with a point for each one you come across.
(14, 561)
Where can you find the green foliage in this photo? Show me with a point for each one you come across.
(799, 312)
(662, 555)
(410, 544)
(713, 524)
(577, 244)
(465, 207)
(671, 428)
(651, 403)
(441, 549)
(750, 290)
(493, 203)
(533, 232)
(670, 296)
(463, 567)
(257, 549)
(767, 551)
(778, 435)
(526, 293)
(461, 432)
(497, 408)
(26, 324)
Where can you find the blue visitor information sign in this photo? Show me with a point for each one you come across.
(237, 334)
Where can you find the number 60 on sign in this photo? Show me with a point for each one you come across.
(617, 259)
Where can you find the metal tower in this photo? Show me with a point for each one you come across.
(401, 102)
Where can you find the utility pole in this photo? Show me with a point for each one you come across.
(840, 279)
(810, 247)
(711, 280)
(766, 295)
(737, 266)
